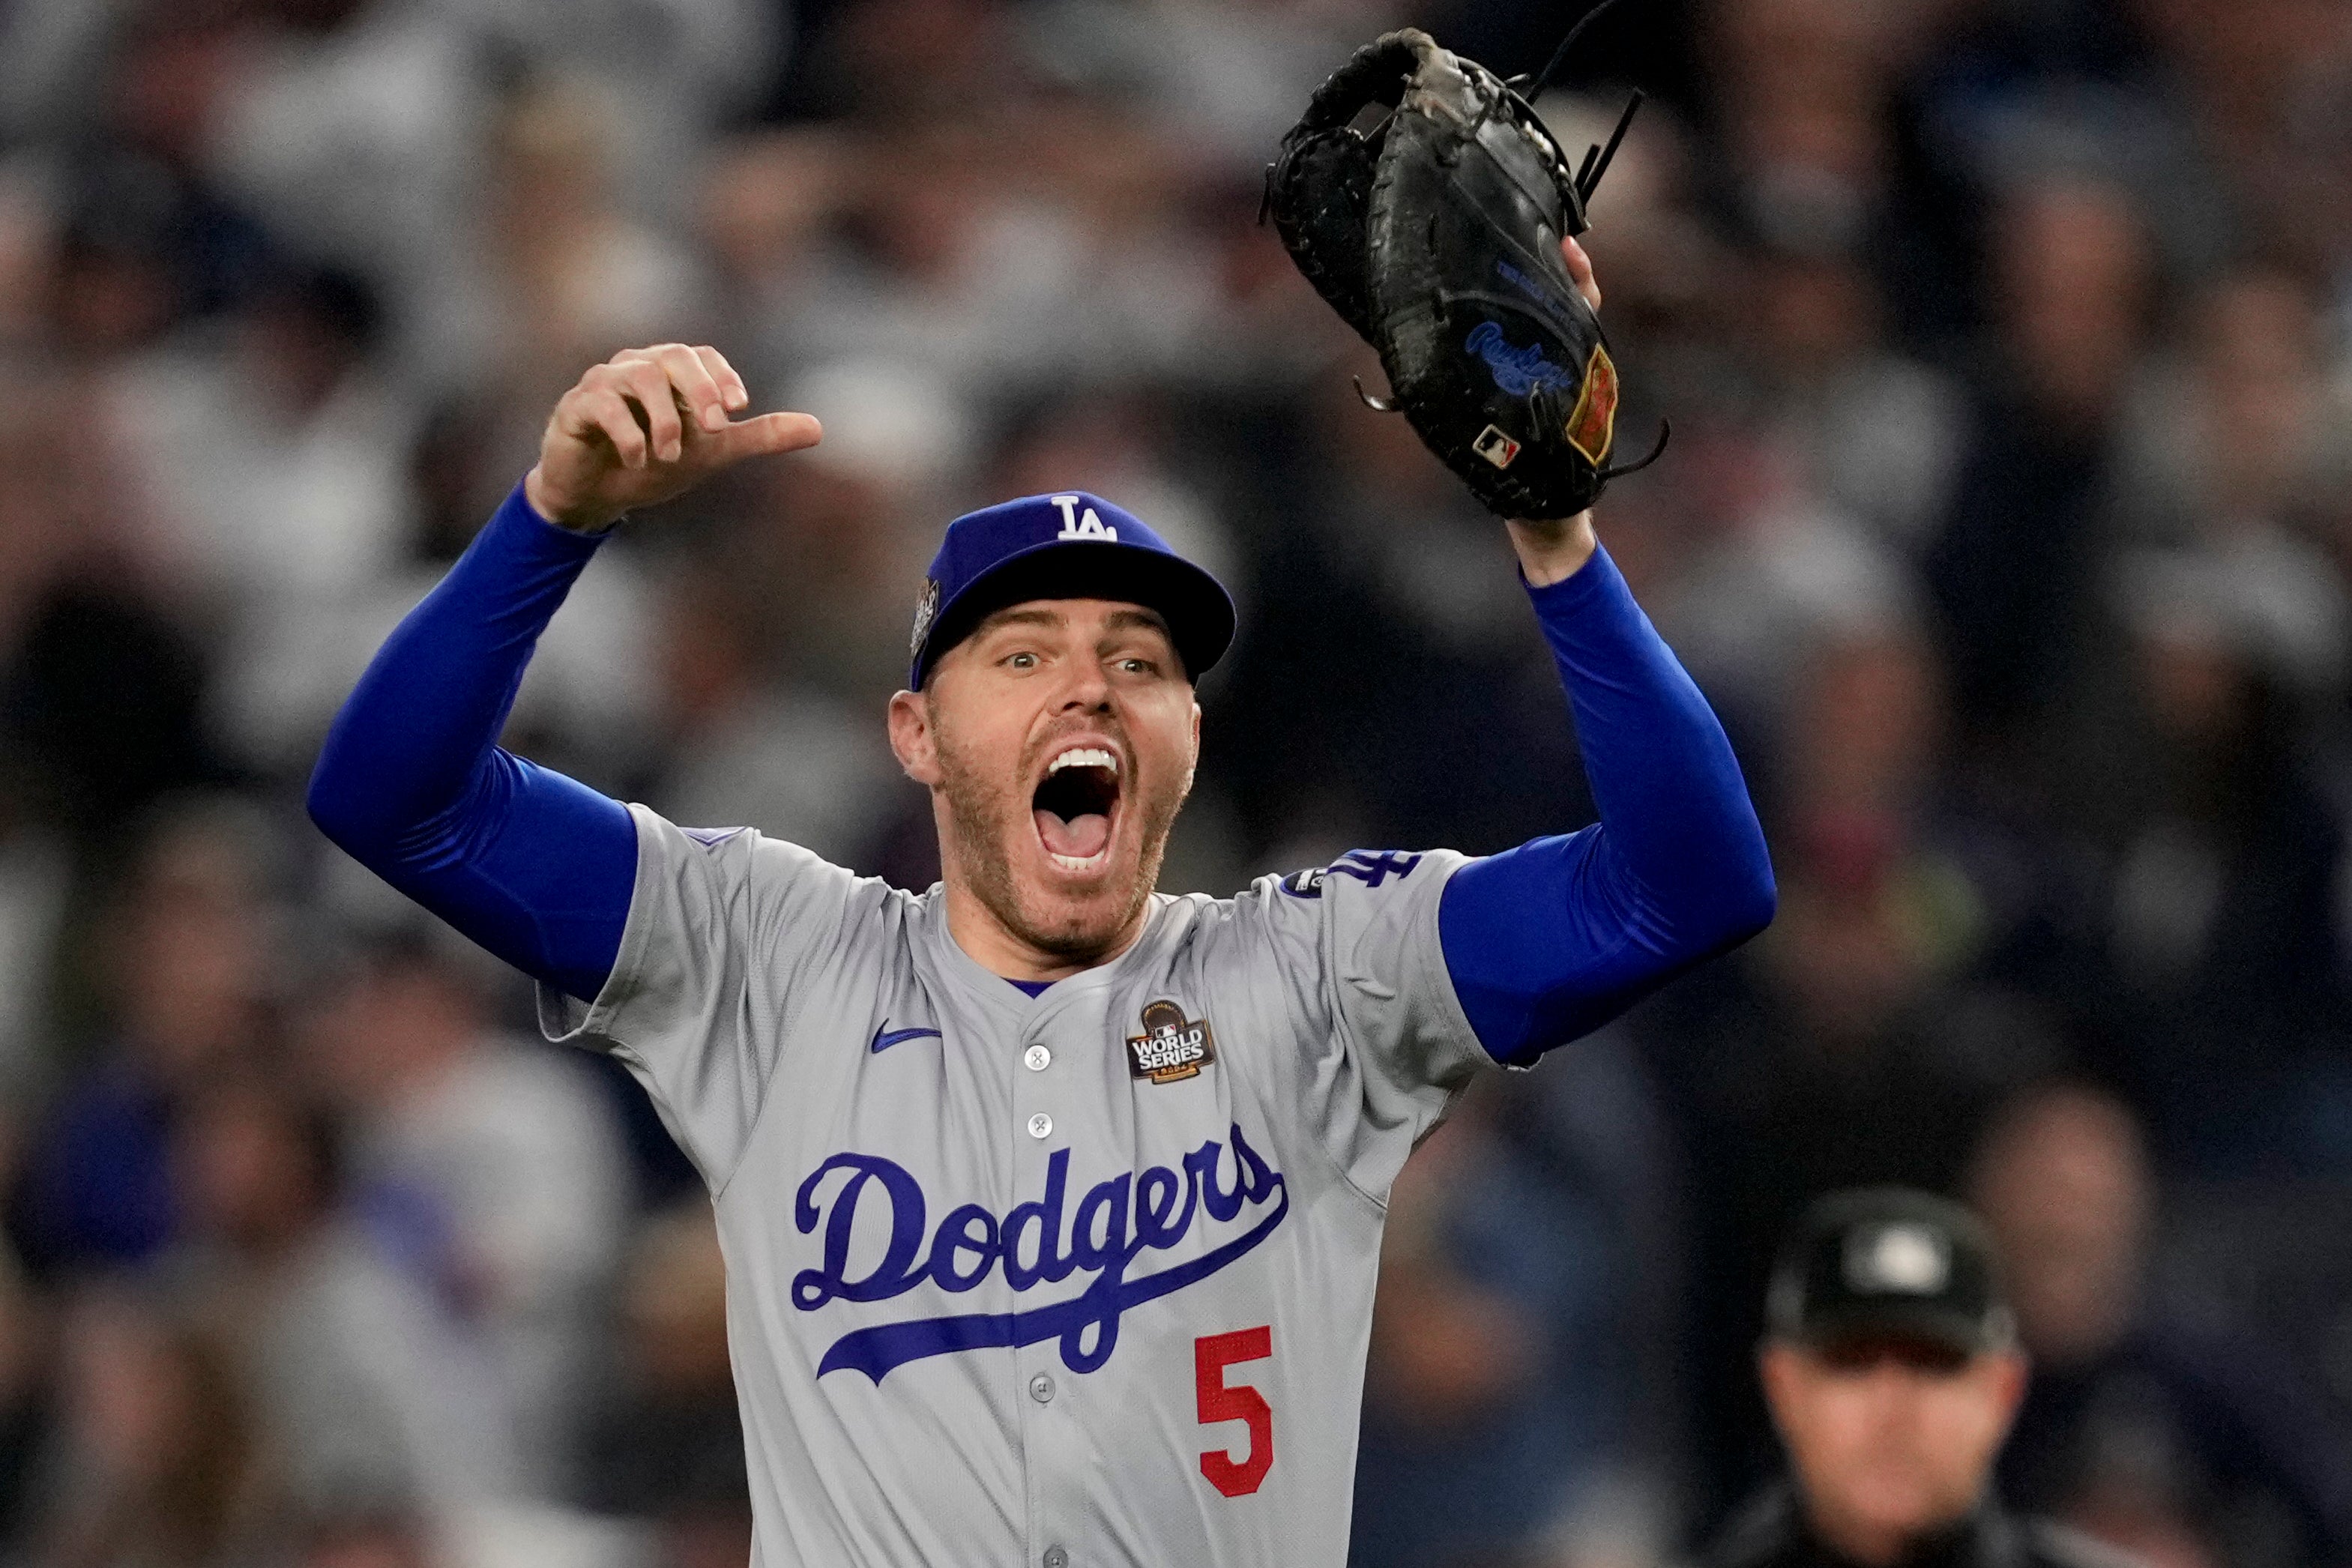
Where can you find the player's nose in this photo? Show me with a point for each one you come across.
(1086, 690)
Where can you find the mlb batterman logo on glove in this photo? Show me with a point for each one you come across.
(1437, 236)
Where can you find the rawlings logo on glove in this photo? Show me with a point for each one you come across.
(1516, 371)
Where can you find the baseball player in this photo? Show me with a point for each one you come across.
(1052, 1204)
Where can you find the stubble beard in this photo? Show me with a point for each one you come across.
(984, 813)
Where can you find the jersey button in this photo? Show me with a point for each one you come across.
(1040, 1126)
(1041, 1388)
(1056, 1558)
(1036, 1059)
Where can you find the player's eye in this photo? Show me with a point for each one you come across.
(1021, 660)
(1134, 664)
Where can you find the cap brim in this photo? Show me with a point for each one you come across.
(1198, 610)
(1924, 1321)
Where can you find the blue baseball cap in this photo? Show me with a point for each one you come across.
(1071, 545)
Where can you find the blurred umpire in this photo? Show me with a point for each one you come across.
(1891, 1366)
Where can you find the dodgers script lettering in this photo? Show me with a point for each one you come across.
(1112, 1226)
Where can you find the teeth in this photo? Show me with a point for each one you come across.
(1073, 863)
(1083, 757)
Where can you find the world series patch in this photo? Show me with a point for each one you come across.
(927, 610)
(1171, 1047)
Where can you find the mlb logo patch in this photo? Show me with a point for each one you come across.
(1495, 446)
(1172, 1047)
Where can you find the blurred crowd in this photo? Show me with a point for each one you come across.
(2007, 523)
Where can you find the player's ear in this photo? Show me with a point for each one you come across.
(2012, 1372)
(1777, 1373)
(912, 740)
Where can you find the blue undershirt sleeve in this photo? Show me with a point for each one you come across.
(1553, 938)
(535, 867)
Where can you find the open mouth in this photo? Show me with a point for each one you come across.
(1074, 806)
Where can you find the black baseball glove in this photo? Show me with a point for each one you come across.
(1437, 236)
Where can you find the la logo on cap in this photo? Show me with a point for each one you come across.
(1897, 1260)
(1089, 526)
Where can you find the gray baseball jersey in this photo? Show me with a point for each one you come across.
(1073, 1280)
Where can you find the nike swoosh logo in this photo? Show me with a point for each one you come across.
(886, 1037)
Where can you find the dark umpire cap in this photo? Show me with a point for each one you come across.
(1889, 1262)
(1070, 545)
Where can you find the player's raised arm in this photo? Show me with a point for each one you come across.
(1462, 270)
(534, 866)
(1549, 941)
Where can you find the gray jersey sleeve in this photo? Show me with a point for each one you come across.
(723, 928)
(1351, 953)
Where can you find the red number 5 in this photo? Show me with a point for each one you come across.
(1220, 1401)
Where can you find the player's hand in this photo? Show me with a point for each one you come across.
(645, 425)
(1551, 551)
(1579, 272)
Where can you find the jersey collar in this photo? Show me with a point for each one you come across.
(988, 989)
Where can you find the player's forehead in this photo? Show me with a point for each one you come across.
(1075, 617)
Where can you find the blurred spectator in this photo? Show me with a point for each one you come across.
(1497, 1408)
(2241, 433)
(101, 690)
(744, 745)
(917, 60)
(1876, 434)
(1803, 101)
(185, 958)
(104, 700)
(1233, 77)
(2155, 1432)
(488, 1171)
(930, 263)
(1801, 85)
(27, 1397)
(666, 1444)
(2266, 98)
(363, 1385)
(2015, 570)
(365, 1538)
(2226, 917)
(577, 277)
(159, 1460)
(124, 101)
(353, 123)
(35, 878)
(587, 697)
(273, 456)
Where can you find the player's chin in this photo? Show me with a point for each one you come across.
(1079, 922)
